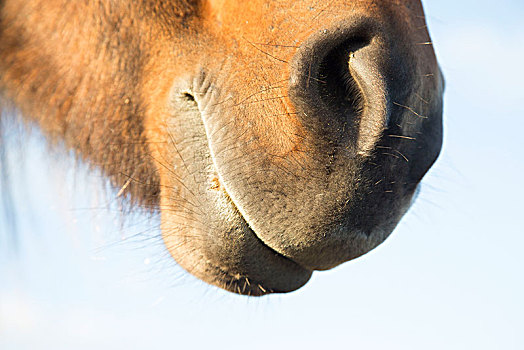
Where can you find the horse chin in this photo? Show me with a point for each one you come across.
(229, 255)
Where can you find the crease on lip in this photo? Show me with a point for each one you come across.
(196, 97)
(243, 218)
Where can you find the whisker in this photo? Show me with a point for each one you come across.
(411, 110)
(402, 137)
(264, 52)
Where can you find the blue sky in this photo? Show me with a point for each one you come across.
(449, 277)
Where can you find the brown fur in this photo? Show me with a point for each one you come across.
(105, 77)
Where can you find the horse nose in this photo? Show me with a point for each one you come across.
(338, 83)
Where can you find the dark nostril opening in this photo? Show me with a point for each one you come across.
(189, 97)
(337, 82)
(337, 87)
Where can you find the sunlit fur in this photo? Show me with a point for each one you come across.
(274, 137)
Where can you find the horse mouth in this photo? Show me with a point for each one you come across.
(244, 284)
(217, 185)
(218, 244)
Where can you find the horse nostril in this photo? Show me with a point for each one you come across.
(337, 86)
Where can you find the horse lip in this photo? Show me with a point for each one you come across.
(203, 101)
(252, 230)
(218, 183)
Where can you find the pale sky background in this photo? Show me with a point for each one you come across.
(449, 277)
